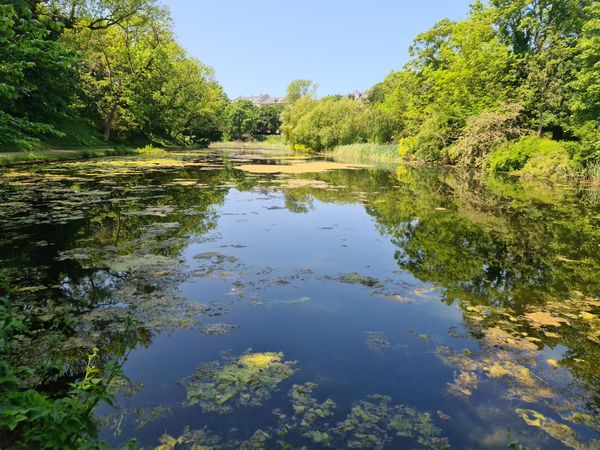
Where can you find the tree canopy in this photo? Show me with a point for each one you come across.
(530, 64)
(113, 63)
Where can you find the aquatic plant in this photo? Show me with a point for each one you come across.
(33, 419)
(246, 380)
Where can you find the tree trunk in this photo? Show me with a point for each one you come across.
(109, 123)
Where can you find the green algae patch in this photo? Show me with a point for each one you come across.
(375, 423)
(376, 340)
(146, 416)
(298, 168)
(554, 429)
(356, 278)
(128, 263)
(245, 381)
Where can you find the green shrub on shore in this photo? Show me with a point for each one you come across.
(532, 156)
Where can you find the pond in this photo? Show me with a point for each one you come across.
(266, 300)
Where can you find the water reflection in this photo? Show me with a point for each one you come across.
(420, 306)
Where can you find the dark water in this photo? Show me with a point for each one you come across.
(431, 308)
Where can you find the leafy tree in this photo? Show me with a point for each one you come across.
(36, 76)
(268, 119)
(138, 82)
(585, 101)
(465, 69)
(331, 121)
(118, 62)
(292, 114)
(240, 119)
(300, 88)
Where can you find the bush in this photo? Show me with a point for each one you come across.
(587, 150)
(532, 156)
(431, 141)
(486, 131)
(33, 419)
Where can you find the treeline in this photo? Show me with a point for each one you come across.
(243, 120)
(513, 87)
(112, 66)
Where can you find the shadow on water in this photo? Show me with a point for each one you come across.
(350, 308)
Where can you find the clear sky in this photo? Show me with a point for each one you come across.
(259, 46)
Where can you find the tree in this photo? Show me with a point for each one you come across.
(268, 119)
(36, 76)
(240, 119)
(543, 34)
(118, 62)
(459, 70)
(300, 88)
(586, 100)
(137, 80)
(329, 122)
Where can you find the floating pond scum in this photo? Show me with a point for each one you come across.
(265, 301)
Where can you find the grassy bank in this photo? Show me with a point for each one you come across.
(17, 158)
(262, 142)
(365, 153)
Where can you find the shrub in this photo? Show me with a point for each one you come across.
(486, 131)
(407, 146)
(532, 156)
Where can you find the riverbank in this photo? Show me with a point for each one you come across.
(365, 153)
(264, 142)
(17, 158)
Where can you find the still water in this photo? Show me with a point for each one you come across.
(268, 301)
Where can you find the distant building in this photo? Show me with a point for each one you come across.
(358, 95)
(263, 99)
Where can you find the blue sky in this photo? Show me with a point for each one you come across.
(259, 46)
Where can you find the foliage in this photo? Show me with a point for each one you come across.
(268, 119)
(531, 156)
(33, 419)
(36, 76)
(367, 152)
(240, 120)
(139, 83)
(329, 122)
(487, 131)
(112, 64)
(300, 88)
(509, 69)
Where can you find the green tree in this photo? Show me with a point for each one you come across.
(119, 61)
(137, 81)
(268, 119)
(300, 88)
(36, 77)
(329, 122)
(585, 101)
(464, 69)
(240, 119)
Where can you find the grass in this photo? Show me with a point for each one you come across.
(262, 142)
(11, 159)
(77, 134)
(592, 174)
(366, 153)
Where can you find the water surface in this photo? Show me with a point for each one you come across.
(349, 308)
